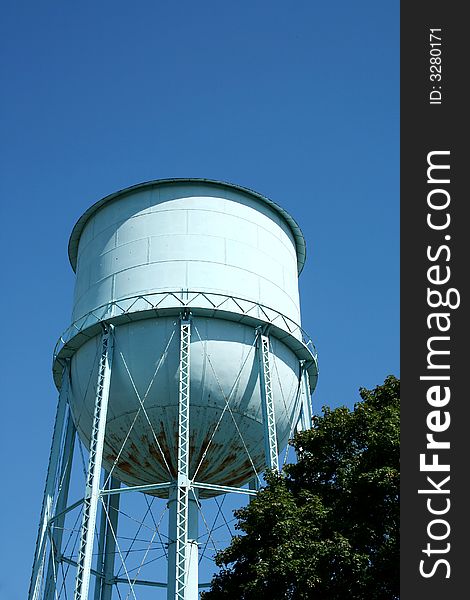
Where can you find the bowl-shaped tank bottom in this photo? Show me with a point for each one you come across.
(226, 431)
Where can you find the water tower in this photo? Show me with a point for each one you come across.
(184, 372)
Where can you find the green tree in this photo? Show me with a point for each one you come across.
(327, 526)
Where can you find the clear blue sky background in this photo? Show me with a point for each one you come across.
(299, 101)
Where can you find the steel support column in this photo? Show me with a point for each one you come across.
(267, 402)
(92, 490)
(57, 527)
(49, 490)
(253, 486)
(101, 540)
(306, 406)
(192, 558)
(107, 542)
(192, 554)
(110, 545)
(179, 496)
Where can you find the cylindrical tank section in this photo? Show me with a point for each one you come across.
(194, 236)
(231, 258)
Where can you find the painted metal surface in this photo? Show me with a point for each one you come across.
(151, 306)
(267, 404)
(181, 513)
(195, 184)
(189, 577)
(227, 254)
(57, 528)
(49, 491)
(169, 270)
(226, 442)
(92, 492)
(205, 237)
(107, 541)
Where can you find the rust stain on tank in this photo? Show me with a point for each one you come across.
(134, 448)
(135, 459)
(126, 467)
(202, 448)
(156, 453)
(152, 457)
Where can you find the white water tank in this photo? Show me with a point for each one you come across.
(229, 256)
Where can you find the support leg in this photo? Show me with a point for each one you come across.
(58, 525)
(49, 491)
(306, 410)
(267, 401)
(191, 590)
(101, 543)
(179, 496)
(110, 545)
(90, 502)
(106, 541)
(192, 547)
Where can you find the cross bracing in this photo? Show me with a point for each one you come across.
(117, 548)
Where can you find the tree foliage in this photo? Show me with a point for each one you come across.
(327, 526)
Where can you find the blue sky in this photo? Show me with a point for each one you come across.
(299, 102)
